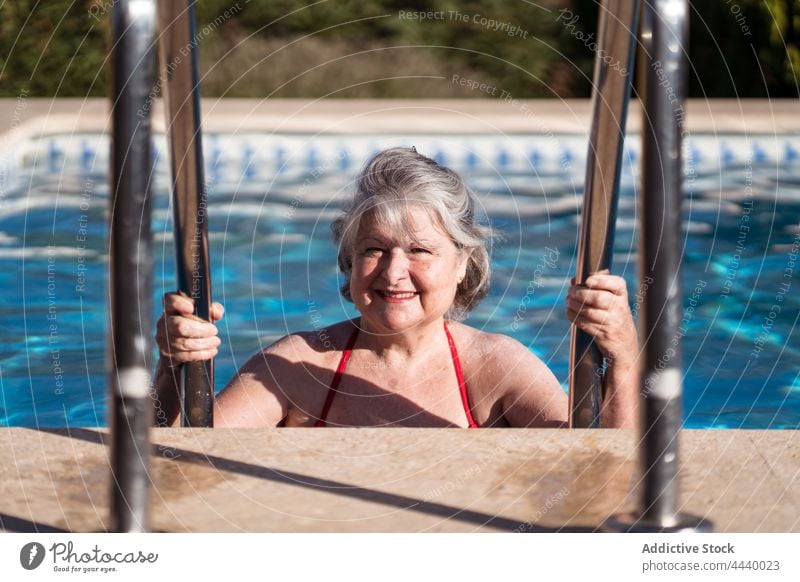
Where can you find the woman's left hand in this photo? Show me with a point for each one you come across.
(600, 308)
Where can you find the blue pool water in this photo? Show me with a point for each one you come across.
(274, 268)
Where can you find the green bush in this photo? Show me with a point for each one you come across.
(364, 48)
(57, 47)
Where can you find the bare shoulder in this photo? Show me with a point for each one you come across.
(312, 345)
(282, 376)
(494, 351)
(271, 367)
(297, 360)
(508, 372)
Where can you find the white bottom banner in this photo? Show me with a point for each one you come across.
(400, 557)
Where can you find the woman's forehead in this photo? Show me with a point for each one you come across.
(412, 223)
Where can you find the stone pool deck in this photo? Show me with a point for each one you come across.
(394, 480)
(31, 117)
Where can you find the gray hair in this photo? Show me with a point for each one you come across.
(393, 180)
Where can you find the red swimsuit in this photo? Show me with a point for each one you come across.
(337, 377)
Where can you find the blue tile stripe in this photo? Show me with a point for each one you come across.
(260, 157)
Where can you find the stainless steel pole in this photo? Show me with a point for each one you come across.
(664, 34)
(131, 263)
(617, 29)
(181, 90)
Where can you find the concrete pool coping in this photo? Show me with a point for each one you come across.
(30, 117)
(394, 479)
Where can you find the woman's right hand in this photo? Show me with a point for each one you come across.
(182, 336)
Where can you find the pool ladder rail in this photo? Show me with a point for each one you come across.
(134, 25)
(131, 262)
(181, 89)
(662, 32)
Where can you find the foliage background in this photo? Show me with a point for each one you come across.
(361, 48)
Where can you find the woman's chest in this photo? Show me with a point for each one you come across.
(368, 394)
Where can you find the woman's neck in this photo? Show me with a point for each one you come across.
(422, 339)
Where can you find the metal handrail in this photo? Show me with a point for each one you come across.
(617, 30)
(131, 263)
(181, 90)
(664, 33)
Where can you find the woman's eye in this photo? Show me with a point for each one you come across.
(420, 251)
(372, 251)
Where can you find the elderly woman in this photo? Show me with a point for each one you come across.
(415, 263)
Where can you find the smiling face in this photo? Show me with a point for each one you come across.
(401, 280)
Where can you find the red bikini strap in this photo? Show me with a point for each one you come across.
(462, 385)
(337, 377)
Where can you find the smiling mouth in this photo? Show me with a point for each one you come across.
(396, 295)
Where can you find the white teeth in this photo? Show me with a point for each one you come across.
(398, 295)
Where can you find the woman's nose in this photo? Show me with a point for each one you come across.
(396, 266)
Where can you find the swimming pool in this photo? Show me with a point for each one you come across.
(273, 265)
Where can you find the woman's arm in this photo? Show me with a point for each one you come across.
(600, 308)
(529, 393)
(247, 401)
(252, 397)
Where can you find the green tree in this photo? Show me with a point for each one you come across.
(363, 48)
(53, 47)
(784, 17)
